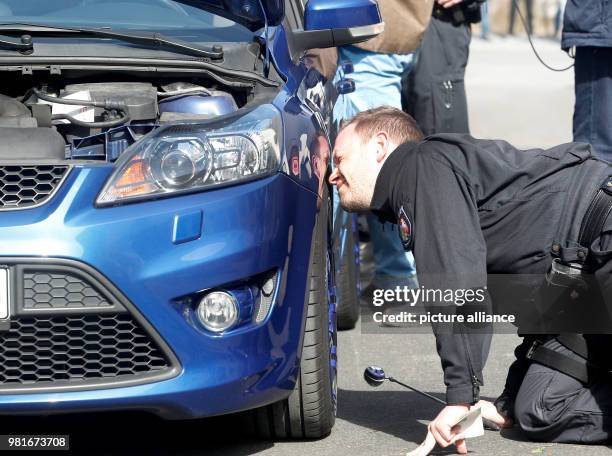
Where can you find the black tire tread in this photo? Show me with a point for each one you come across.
(308, 412)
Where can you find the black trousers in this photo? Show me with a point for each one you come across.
(554, 407)
(434, 90)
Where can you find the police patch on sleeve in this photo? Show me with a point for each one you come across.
(405, 229)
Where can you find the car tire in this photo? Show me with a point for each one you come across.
(348, 282)
(310, 411)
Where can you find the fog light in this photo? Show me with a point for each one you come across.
(218, 311)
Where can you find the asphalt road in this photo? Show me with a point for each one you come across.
(511, 96)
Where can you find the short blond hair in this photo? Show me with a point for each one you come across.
(400, 126)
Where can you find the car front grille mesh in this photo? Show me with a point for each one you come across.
(57, 290)
(23, 186)
(70, 328)
(76, 348)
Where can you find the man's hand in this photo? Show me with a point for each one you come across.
(444, 425)
(489, 412)
(448, 3)
(443, 429)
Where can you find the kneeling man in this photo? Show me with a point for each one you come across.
(541, 220)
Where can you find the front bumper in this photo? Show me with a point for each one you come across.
(246, 230)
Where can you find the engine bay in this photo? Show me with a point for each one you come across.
(98, 120)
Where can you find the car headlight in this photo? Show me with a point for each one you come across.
(180, 158)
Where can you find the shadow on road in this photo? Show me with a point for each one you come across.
(401, 414)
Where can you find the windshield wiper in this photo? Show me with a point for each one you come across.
(24, 45)
(147, 39)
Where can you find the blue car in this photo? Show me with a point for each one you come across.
(166, 238)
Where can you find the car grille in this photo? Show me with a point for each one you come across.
(76, 348)
(23, 186)
(70, 328)
(48, 290)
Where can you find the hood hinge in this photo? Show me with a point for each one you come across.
(266, 67)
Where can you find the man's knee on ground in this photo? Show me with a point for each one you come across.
(525, 416)
(546, 406)
(531, 418)
(536, 406)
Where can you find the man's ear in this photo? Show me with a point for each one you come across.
(382, 145)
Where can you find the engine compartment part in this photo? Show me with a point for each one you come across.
(21, 137)
(78, 109)
(31, 144)
(140, 98)
(99, 120)
(15, 114)
(213, 104)
(108, 145)
(181, 88)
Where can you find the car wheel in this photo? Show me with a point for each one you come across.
(348, 281)
(310, 410)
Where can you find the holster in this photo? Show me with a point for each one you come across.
(572, 266)
(569, 275)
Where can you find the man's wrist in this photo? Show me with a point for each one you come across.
(462, 394)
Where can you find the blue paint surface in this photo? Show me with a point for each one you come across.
(187, 227)
(156, 252)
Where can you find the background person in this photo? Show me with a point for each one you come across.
(587, 26)
(434, 91)
(378, 68)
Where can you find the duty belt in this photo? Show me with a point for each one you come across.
(583, 369)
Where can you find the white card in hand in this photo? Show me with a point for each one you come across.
(470, 424)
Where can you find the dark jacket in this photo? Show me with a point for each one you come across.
(468, 208)
(587, 23)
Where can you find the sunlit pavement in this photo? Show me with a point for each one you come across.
(512, 96)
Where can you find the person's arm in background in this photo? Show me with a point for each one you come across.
(450, 3)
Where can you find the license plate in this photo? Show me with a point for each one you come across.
(4, 294)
